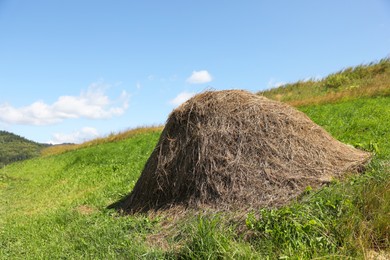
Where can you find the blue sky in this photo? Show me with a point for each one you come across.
(74, 70)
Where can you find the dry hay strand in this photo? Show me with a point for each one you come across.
(236, 150)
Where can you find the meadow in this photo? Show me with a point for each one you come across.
(55, 206)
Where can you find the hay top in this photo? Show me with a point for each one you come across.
(237, 150)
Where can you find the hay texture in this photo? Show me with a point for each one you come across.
(237, 150)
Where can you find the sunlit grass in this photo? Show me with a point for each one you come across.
(349, 84)
(113, 137)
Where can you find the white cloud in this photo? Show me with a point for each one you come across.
(85, 134)
(199, 77)
(181, 98)
(138, 85)
(91, 104)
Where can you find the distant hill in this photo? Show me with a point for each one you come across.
(16, 148)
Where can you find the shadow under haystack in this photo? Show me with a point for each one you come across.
(237, 150)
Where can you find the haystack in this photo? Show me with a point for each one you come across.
(237, 150)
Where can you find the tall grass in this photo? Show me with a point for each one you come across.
(367, 80)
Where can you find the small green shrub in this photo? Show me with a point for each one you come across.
(336, 81)
(304, 230)
(207, 241)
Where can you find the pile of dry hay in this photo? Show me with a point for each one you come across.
(236, 150)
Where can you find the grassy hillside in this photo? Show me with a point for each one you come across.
(55, 206)
(351, 83)
(58, 149)
(16, 148)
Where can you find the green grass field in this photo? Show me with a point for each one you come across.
(55, 206)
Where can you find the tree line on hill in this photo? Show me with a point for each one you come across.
(16, 148)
